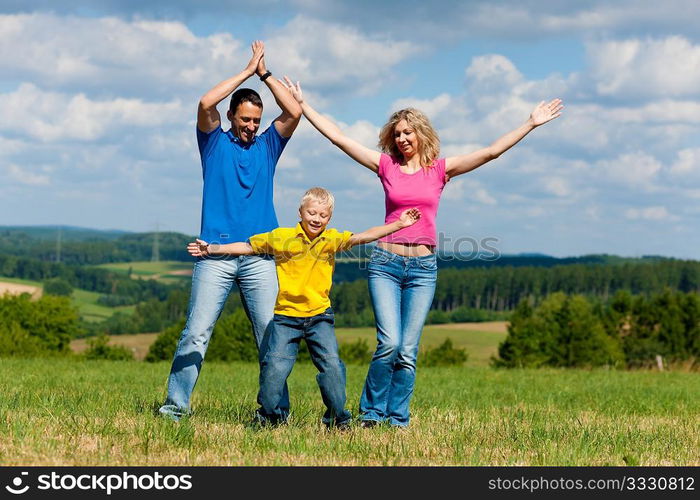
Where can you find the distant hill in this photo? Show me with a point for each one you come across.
(68, 233)
(83, 246)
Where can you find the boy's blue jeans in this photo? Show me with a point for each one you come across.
(402, 290)
(281, 348)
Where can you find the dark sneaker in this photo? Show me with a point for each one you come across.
(263, 421)
(343, 426)
(368, 424)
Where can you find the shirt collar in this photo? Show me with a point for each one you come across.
(235, 139)
(300, 232)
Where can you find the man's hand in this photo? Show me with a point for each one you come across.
(261, 69)
(409, 217)
(258, 48)
(295, 90)
(198, 248)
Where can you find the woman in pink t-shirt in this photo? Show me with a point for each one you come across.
(403, 267)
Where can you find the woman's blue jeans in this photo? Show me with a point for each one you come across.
(402, 290)
(212, 280)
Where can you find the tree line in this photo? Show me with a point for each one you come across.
(627, 331)
(472, 294)
(91, 248)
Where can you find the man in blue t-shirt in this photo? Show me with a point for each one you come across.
(238, 169)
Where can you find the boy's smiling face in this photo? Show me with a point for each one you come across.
(314, 217)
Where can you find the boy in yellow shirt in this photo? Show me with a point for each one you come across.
(305, 259)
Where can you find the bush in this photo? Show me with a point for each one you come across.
(356, 353)
(444, 355)
(354, 319)
(466, 314)
(58, 286)
(163, 348)
(232, 340)
(51, 321)
(437, 317)
(16, 341)
(98, 348)
(562, 331)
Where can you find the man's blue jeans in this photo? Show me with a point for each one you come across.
(402, 290)
(280, 354)
(212, 281)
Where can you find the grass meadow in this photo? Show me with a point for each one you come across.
(70, 412)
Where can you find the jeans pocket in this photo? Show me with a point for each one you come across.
(429, 264)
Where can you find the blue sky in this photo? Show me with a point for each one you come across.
(98, 105)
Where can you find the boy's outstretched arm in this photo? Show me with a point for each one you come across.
(200, 248)
(408, 218)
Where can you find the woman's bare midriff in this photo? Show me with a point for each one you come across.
(406, 249)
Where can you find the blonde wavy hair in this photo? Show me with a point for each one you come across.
(318, 194)
(428, 140)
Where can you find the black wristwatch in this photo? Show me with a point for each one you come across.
(264, 77)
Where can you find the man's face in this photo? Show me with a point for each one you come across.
(314, 217)
(245, 121)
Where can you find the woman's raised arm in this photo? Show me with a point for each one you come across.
(361, 154)
(544, 112)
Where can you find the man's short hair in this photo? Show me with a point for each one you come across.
(318, 194)
(245, 95)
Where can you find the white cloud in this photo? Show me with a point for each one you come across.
(24, 176)
(108, 54)
(687, 163)
(336, 57)
(668, 67)
(557, 186)
(467, 191)
(363, 132)
(633, 170)
(431, 107)
(649, 213)
(493, 69)
(55, 116)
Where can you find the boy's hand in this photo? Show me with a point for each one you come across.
(409, 217)
(198, 248)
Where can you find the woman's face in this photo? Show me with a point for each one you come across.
(406, 139)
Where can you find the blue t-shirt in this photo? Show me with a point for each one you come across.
(237, 196)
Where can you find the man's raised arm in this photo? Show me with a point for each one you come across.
(208, 117)
(287, 122)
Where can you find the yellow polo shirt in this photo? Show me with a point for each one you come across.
(304, 267)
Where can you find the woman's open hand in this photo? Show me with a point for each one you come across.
(295, 90)
(546, 111)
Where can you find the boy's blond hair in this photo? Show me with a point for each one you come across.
(319, 194)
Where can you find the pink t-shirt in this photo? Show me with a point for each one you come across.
(403, 191)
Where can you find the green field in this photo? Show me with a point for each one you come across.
(479, 345)
(167, 271)
(85, 301)
(90, 310)
(70, 412)
(21, 282)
